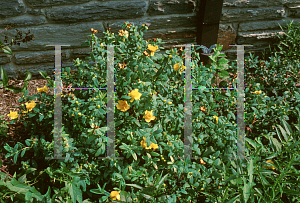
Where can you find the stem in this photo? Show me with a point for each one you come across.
(6, 172)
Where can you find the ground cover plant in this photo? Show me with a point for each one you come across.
(149, 130)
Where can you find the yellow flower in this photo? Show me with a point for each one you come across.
(144, 144)
(30, 105)
(202, 162)
(152, 145)
(143, 83)
(203, 109)
(123, 106)
(165, 100)
(149, 116)
(176, 66)
(269, 167)
(98, 106)
(79, 114)
(152, 49)
(170, 56)
(169, 143)
(44, 89)
(257, 92)
(76, 102)
(126, 33)
(13, 114)
(216, 117)
(169, 102)
(135, 95)
(115, 195)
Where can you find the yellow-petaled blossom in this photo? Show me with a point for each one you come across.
(76, 102)
(115, 195)
(72, 114)
(203, 109)
(123, 106)
(101, 44)
(257, 92)
(13, 114)
(176, 66)
(202, 162)
(165, 100)
(44, 89)
(216, 117)
(98, 106)
(135, 95)
(79, 114)
(30, 105)
(152, 145)
(269, 167)
(169, 102)
(169, 143)
(149, 116)
(170, 56)
(143, 83)
(152, 49)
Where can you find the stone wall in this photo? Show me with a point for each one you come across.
(254, 22)
(174, 21)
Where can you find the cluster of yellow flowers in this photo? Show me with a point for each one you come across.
(124, 33)
(29, 106)
(152, 49)
(135, 95)
(152, 145)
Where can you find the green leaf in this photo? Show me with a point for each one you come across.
(23, 152)
(154, 153)
(14, 88)
(133, 155)
(246, 190)
(276, 143)
(7, 50)
(4, 77)
(135, 185)
(28, 76)
(41, 117)
(98, 152)
(15, 158)
(283, 133)
(43, 73)
(223, 74)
